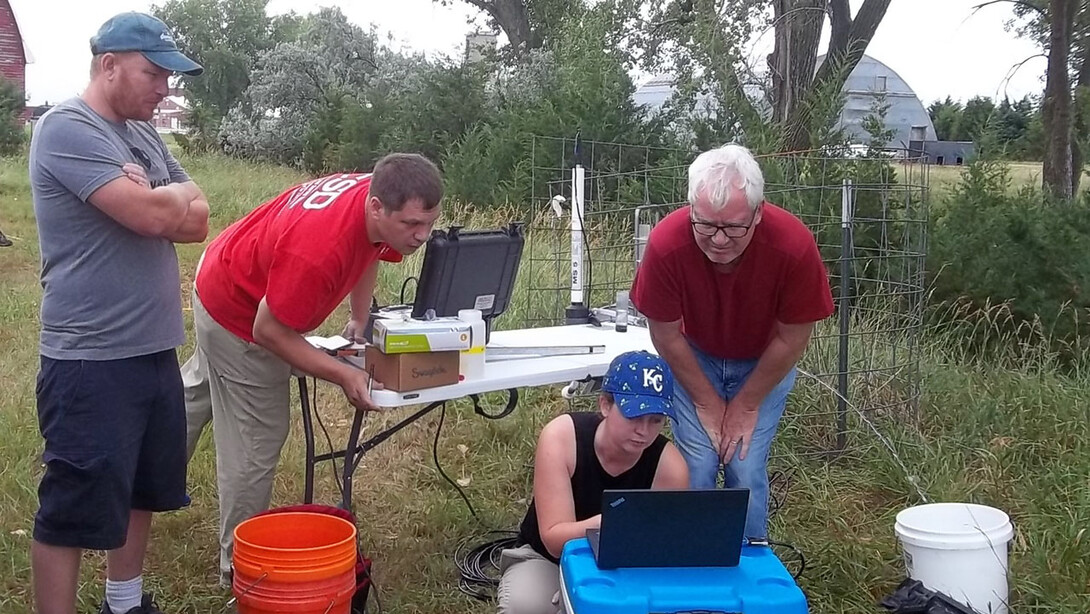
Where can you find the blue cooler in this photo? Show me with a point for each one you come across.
(760, 584)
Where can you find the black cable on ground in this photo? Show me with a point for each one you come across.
(439, 468)
(478, 566)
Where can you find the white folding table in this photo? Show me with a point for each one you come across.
(500, 373)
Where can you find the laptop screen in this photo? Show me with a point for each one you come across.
(671, 528)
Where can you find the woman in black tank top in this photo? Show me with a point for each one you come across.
(580, 455)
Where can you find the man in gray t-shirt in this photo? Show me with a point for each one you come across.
(110, 202)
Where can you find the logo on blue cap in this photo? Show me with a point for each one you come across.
(641, 383)
(150, 36)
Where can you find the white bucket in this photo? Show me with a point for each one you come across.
(960, 550)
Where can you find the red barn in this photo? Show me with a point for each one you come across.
(13, 53)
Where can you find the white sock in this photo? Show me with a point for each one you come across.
(124, 595)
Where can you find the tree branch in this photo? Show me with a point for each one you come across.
(1021, 3)
(840, 19)
(1013, 70)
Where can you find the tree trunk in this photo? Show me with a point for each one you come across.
(849, 40)
(513, 18)
(1080, 125)
(1056, 105)
(798, 32)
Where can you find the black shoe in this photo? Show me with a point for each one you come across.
(4, 241)
(147, 606)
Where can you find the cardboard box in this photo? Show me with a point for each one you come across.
(397, 336)
(404, 372)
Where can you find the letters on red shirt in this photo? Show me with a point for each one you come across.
(733, 315)
(302, 252)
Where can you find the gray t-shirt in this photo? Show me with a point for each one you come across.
(108, 292)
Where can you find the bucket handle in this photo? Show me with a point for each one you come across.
(233, 600)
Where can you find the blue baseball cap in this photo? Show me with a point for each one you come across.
(150, 36)
(641, 383)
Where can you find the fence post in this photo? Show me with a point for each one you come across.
(845, 313)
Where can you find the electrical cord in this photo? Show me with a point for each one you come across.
(374, 589)
(479, 566)
(779, 483)
(404, 284)
(439, 468)
(328, 439)
(798, 553)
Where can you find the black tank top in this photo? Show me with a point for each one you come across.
(589, 479)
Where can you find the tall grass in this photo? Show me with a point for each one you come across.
(1005, 428)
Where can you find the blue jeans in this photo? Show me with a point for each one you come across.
(702, 455)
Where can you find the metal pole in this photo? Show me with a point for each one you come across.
(845, 313)
(577, 312)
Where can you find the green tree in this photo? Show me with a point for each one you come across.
(975, 117)
(1062, 29)
(573, 84)
(297, 83)
(526, 23)
(708, 40)
(226, 37)
(12, 103)
(946, 116)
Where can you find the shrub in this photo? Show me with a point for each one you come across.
(991, 246)
(12, 103)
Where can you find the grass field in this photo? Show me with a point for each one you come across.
(1010, 431)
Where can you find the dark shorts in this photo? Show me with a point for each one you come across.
(114, 435)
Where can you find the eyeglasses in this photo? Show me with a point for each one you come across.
(145, 161)
(733, 231)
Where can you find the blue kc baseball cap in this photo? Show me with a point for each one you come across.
(641, 383)
(151, 37)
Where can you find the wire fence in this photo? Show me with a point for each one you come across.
(868, 213)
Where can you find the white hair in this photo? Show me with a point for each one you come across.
(716, 171)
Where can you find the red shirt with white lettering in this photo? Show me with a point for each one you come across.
(733, 315)
(302, 252)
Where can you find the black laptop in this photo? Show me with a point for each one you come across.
(670, 528)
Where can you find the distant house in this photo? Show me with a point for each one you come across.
(172, 113)
(14, 56)
(36, 112)
(942, 153)
(870, 83)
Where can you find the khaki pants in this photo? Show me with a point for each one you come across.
(529, 584)
(244, 390)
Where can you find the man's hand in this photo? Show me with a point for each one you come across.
(136, 174)
(354, 330)
(738, 424)
(712, 417)
(354, 382)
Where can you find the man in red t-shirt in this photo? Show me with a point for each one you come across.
(731, 286)
(273, 276)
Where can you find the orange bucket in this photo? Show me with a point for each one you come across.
(265, 596)
(298, 562)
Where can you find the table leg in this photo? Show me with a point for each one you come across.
(308, 436)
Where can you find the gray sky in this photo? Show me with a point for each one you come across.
(935, 45)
